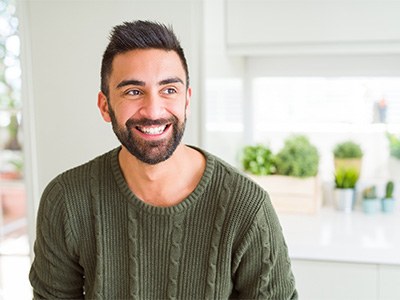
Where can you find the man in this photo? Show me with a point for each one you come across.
(154, 218)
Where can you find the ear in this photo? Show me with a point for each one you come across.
(102, 104)
(188, 98)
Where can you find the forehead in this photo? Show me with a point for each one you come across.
(147, 63)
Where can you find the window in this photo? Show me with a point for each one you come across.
(328, 109)
(325, 103)
(14, 246)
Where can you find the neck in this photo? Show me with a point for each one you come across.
(157, 184)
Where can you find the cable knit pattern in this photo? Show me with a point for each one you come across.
(95, 193)
(263, 294)
(216, 236)
(223, 241)
(133, 255)
(175, 255)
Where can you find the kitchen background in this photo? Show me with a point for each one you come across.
(263, 72)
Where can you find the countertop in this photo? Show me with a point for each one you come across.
(355, 237)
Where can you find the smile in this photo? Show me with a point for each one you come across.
(152, 130)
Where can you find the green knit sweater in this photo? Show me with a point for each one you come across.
(96, 240)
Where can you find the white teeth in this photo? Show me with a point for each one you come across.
(153, 130)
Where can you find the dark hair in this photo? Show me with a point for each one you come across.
(139, 35)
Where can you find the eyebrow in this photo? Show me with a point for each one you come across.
(142, 83)
(130, 82)
(171, 80)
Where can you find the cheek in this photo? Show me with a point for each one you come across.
(179, 111)
(180, 108)
(124, 113)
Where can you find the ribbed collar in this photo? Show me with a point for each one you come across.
(176, 209)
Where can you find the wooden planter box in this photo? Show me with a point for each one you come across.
(292, 194)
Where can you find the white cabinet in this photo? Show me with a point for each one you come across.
(318, 280)
(323, 280)
(312, 26)
(389, 282)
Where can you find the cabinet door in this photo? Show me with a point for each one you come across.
(389, 282)
(317, 280)
(292, 26)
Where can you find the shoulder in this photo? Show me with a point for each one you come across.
(75, 183)
(240, 193)
(236, 181)
(247, 205)
(83, 172)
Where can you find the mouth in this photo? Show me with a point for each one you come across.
(153, 130)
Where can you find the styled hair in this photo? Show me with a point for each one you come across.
(139, 35)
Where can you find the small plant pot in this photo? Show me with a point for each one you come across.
(371, 206)
(344, 199)
(388, 205)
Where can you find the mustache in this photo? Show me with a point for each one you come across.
(149, 122)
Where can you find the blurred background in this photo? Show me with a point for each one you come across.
(303, 96)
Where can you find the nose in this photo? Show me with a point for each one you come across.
(152, 107)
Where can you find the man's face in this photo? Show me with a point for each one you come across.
(147, 103)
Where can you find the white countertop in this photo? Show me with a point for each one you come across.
(331, 235)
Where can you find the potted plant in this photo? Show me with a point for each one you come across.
(344, 193)
(394, 145)
(258, 160)
(348, 154)
(294, 166)
(298, 158)
(370, 203)
(12, 169)
(13, 197)
(13, 128)
(394, 155)
(388, 202)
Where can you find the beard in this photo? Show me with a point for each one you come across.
(149, 152)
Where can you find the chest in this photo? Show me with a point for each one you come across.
(187, 254)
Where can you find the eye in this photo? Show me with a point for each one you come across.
(133, 92)
(170, 91)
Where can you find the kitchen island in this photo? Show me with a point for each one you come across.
(344, 256)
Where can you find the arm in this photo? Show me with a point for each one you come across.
(262, 267)
(55, 272)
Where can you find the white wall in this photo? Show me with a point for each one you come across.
(63, 42)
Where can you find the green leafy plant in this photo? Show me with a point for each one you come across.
(13, 127)
(389, 190)
(298, 158)
(369, 193)
(258, 160)
(394, 145)
(346, 178)
(347, 149)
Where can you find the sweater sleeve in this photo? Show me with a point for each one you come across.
(262, 268)
(55, 272)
